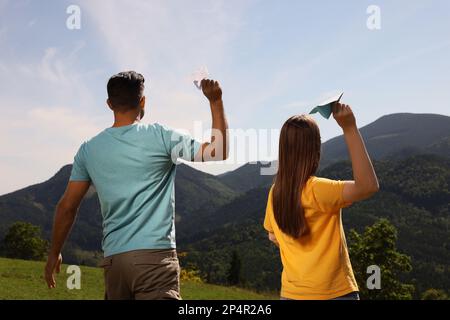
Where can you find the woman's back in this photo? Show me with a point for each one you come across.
(316, 265)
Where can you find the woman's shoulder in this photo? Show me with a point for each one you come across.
(317, 181)
(320, 185)
(327, 193)
(312, 182)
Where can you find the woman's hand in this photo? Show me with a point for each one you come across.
(344, 116)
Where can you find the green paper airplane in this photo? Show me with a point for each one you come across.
(327, 109)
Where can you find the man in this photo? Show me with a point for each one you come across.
(132, 167)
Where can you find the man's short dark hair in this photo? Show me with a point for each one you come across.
(125, 90)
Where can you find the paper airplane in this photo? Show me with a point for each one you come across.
(326, 109)
(198, 76)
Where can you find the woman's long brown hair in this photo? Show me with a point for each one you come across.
(299, 156)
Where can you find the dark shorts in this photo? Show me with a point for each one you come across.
(142, 275)
(350, 296)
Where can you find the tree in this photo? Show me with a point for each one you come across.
(23, 241)
(435, 294)
(377, 246)
(235, 271)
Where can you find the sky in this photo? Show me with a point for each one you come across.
(273, 59)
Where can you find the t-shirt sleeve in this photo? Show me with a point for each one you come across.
(79, 171)
(269, 212)
(179, 145)
(329, 194)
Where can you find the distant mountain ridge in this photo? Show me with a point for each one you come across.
(394, 136)
(246, 177)
(36, 204)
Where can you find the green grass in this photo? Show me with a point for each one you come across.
(23, 280)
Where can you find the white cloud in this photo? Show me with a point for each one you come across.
(41, 126)
(57, 120)
(145, 34)
(36, 144)
(167, 41)
(403, 60)
(53, 79)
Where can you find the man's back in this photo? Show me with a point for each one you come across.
(132, 166)
(133, 172)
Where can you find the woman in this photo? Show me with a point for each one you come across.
(303, 215)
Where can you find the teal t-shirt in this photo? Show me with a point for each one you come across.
(133, 170)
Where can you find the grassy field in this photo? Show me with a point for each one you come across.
(21, 279)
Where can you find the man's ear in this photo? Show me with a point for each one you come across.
(109, 104)
(142, 108)
(142, 103)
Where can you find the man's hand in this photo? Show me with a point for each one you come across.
(211, 89)
(53, 265)
(344, 116)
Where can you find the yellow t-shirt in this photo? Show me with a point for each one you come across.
(316, 266)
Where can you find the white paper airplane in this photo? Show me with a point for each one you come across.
(198, 76)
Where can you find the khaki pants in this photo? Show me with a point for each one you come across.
(142, 275)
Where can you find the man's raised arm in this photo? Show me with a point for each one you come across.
(217, 148)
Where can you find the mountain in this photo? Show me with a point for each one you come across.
(242, 209)
(244, 178)
(195, 191)
(397, 135)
